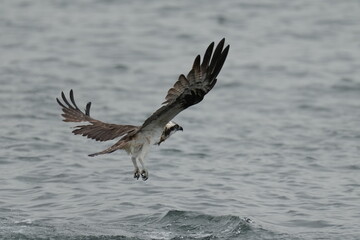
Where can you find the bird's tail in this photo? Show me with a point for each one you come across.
(119, 145)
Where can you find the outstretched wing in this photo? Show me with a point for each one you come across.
(190, 90)
(97, 130)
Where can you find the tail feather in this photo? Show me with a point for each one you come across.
(119, 145)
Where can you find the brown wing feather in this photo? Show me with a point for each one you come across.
(97, 130)
(190, 90)
(202, 75)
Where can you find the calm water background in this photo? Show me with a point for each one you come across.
(272, 152)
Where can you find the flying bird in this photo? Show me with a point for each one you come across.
(137, 140)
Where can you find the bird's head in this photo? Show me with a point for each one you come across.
(170, 128)
(176, 128)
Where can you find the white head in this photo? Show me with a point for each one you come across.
(170, 128)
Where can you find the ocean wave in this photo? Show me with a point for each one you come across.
(193, 225)
(175, 224)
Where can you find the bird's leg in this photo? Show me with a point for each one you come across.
(144, 172)
(136, 171)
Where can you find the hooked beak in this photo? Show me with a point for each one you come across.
(180, 128)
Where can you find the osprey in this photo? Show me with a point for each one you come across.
(137, 140)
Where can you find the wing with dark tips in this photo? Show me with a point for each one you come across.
(97, 130)
(190, 90)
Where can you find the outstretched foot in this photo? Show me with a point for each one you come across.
(144, 175)
(137, 173)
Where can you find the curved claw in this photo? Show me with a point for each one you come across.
(137, 174)
(144, 175)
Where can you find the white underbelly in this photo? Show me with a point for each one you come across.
(144, 140)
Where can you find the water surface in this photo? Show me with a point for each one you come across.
(271, 153)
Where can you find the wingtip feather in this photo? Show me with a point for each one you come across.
(60, 103)
(72, 99)
(87, 109)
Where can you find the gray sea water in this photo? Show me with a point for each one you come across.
(271, 153)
